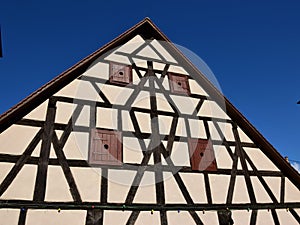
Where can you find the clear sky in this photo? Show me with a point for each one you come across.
(251, 46)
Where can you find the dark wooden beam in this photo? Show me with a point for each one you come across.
(41, 177)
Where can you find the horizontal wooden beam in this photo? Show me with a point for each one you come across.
(142, 207)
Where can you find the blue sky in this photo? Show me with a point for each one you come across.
(251, 46)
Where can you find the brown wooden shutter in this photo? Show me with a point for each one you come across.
(179, 83)
(120, 74)
(105, 147)
(202, 155)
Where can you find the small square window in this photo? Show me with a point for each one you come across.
(120, 74)
(179, 83)
(202, 155)
(105, 147)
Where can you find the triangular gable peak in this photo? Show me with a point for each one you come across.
(136, 127)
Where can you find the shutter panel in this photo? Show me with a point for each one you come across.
(202, 155)
(105, 147)
(179, 83)
(120, 74)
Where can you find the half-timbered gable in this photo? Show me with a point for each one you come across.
(136, 134)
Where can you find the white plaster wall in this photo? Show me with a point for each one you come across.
(39, 113)
(241, 217)
(195, 186)
(22, 186)
(181, 217)
(53, 217)
(107, 118)
(240, 193)
(185, 105)
(88, 181)
(195, 88)
(209, 217)
(116, 95)
(285, 217)
(162, 103)
(173, 193)
(116, 217)
(292, 193)
(119, 182)
(9, 216)
(162, 51)
(260, 160)
(126, 121)
(57, 187)
(226, 129)
(181, 128)
(146, 217)
(274, 184)
(197, 128)
(223, 158)
(98, 69)
(15, 139)
(264, 217)
(180, 154)
(149, 53)
(212, 109)
(219, 185)
(146, 192)
(260, 192)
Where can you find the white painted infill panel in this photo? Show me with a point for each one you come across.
(194, 182)
(173, 193)
(116, 95)
(195, 88)
(39, 113)
(53, 217)
(285, 217)
(9, 216)
(260, 160)
(131, 45)
(260, 192)
(146, 218)
(164, 124)
(107, 118)
(149, 53)
(57, 188)
(116, 217)
(240, 192)
(15, 139)
(223, 158)
(264, 217)
(241, 217)
(98, 70)
(185, 104)
(4, 170)
(23, 184)
(219, 185)
(197, 129)
(292, 193)
(209, 217)
(179, 218)
(88, 182)
(146, 192)
(158, 46)
(212, 109)
(180, 154)
(119, 182)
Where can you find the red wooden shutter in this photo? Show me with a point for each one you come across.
(202, 155)
(179, 83)
(120, 74)
(105, 147)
